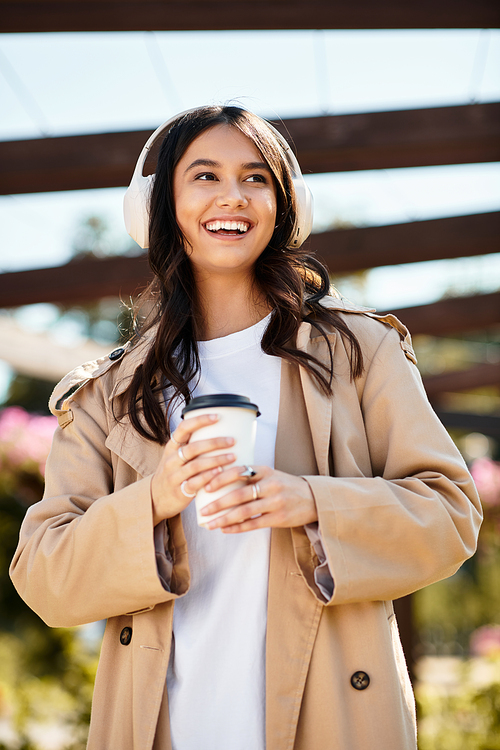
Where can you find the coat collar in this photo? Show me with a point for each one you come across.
(124, 440)
(134, 357)
(318, 403)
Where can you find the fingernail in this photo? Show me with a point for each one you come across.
(213, 417)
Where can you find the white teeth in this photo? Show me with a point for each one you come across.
(214, 226)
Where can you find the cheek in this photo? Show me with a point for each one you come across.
(191, 209)
(272, 208)
(183, 214)
(268, 204)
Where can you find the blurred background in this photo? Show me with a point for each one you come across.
(394, 112)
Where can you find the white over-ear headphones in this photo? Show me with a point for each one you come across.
(136, 200)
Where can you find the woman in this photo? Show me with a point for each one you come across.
(285, 636)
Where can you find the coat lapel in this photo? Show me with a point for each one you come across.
(318, 404)
(141, 454)
(302, 448)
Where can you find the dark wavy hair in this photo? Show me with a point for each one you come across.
(292, 282)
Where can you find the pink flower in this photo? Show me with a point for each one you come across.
(25, 439)
(486, 474)
(485, 641)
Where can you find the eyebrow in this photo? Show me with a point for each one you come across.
(216, 164)
(256, 165)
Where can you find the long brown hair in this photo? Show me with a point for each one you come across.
(292, 281)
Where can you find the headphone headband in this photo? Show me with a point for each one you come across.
(136, 200)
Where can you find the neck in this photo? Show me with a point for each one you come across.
(228, 306)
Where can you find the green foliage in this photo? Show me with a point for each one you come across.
(40, 694)
(461, 710)
(466, 718)
(31, 393)
(447, 612)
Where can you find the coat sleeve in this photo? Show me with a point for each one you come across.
(416, 519)
(87, 551)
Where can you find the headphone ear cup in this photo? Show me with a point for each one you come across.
(136, 208)
(304, 220)
(303, 196)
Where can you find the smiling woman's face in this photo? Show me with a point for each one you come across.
(225, 201)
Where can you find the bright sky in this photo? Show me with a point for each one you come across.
(58, 84)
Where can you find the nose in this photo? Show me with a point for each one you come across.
(231, 195)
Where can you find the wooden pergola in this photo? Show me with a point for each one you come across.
(19, 16)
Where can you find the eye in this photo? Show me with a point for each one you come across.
(206, 176)
(256, 178)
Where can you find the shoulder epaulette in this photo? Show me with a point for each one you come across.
(75, 380)
(341, 304)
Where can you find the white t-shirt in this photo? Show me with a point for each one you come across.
(216, 676)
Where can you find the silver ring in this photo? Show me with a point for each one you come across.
(255, 491)
(249, 472)
(181, 455)
(183, 490)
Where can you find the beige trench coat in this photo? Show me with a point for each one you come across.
(397, 511)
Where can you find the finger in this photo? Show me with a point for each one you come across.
(175, 439)
(206, 467)
(231, 499)
(261, 522)
(264, 521)
(185, 429)
(199, 447)
(241, 503)
(239, 473)
(228, 476)
(254, 515)
(195, 483)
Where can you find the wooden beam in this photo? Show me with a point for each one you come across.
(78, 162)
(76, 282)
(484, 423)
(344, 250)
(454, 315)
(479, 376)
(402, 138)
(121, 15)
(330, 143)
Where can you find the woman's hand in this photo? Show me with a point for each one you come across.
(271, 498)
(184, 468)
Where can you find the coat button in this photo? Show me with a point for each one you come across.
(116, 354)
(126, 636)
(359, 680)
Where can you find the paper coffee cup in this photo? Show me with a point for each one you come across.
(237, 419)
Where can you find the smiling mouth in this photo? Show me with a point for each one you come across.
(227, 227)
